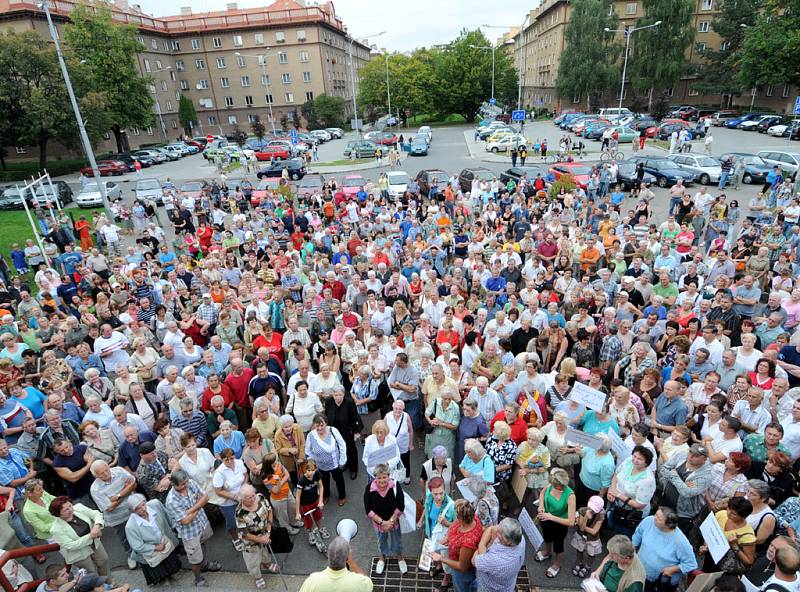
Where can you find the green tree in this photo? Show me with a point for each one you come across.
(768, 54)
(258, 128)
(307, 110)
(187, 114)
(658, 56)
(586, 70)
(411, 78)
(329, 111)
(109, 50)
(714, 74)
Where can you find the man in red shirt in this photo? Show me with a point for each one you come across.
(510, 414)
(548, 250)
(270, 339)
(336, 287)
(238, 380)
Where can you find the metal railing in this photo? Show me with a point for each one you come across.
(16, 554)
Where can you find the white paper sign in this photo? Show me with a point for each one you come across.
(714, 537)
(586, 395)
(466, 492)
(586, 440)
(618, 446)
(425, 555)
(534, 536)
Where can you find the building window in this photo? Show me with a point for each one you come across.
(576, 99)
(670, 91)
(241, 61)
(708, 4)
(630, 8)
(725, 45)
(195, 44)
(258, 38)
(280, 37)
(212, 120)
(232, 119)
(693, 92)
(179, 65)
(283, 58)
(141, 39)
(770, 90)
(172, 75)
(216, 42)
(237, 40)
(785, 92)
(149, 130)
(303, 56)
(158, 65)
(309, 96)
(154, 43)
(268, 99)
(184, 85)
(245, 80)
(174, 124)
(146, 64)
(701, 47)
(166, 45)
(289, 97)
(248, 100)
(163, 85)
(224, 82)
(252, 118)
(703, 27)
(169, 105)
(301, 34)
(200, 64)
(202, 84)
(135, 131)
(229, 101)
(265, 80)
(286, 78)
(220, 63)
(20, 150)
(306, 76)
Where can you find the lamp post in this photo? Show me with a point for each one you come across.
(492, 48)
(628, 32)
(158, 104)
(353, 75)
(388, 88)
(87, 145)
(263, 59)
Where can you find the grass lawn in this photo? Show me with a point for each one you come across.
(341, 162)
(15, 228)
(21, 170)
(432, 119)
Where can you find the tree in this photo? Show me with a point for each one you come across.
(307, 110)
(187, 114)
(588, 64)
(768, 54)
(658, 56)
(258, 128)
(412, 81)
(329, 111)
(714, 74)
(109, 51)
(284, 122)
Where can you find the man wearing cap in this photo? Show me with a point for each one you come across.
(153, 472)
(685, 479)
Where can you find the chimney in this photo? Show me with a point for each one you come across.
(186, 11)
(232, 6)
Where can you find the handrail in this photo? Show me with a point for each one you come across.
(23, 552)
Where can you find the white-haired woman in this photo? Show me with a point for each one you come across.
(597, 471)
(380, 447)
(476, 462)
(97, 386)
(290, 444)
(399, 424)
(443, 415)
(154, 545)
(503, 452)
(122, 383)
(487, 506)
(621, 570)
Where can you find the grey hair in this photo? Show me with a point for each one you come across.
(474, 445)
(511, 531)
(286, 420)
(178, 477)
(760, 487)
(91, 372)
(477, 485)
(559, 476)
(381, 469)
(621, 545)
(135, 500)
(470, 402)
(97, 466)
(365, 369)
(32, 484)
(226, 424)
(338, 552)
(439, 452)
(605, 443)
(186, 403)
(217, 399)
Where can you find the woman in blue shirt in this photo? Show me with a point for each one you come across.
(30, 397)
(229, 438)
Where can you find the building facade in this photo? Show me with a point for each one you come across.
(235, 65)
(543, 41)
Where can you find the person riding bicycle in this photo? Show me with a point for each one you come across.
(614, 142)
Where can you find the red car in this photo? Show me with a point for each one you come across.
(106, 168)
(275, 152)
(352, 184)
(261, 190)
(579, 171)
(651, 132)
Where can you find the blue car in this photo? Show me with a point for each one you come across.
(664, 170)
(755, 169)
(419, 147)
(734, 123)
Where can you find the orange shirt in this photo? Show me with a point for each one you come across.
(589, 257)
(276, 492)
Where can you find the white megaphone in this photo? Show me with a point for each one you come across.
(347, 529)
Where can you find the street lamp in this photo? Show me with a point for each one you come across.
(263, 59)
(353, 75)
(388, 88)
(628, 32)
(87, 145)
(492, 48)
(158, 104)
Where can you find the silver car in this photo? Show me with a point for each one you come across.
(149, 189)
(707, 170)
(90, 195)
(788, 161)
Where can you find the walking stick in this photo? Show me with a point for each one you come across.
(280, 572)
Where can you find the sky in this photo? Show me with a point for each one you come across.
(409, 23)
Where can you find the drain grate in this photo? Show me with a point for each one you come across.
(391, 580)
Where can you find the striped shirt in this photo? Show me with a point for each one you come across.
(195, 425)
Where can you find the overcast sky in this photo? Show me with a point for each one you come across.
(409, 23)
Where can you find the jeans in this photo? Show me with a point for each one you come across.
(414, 410)
(464, 582)
(43, 225)
(21, 530)
(390, 543)
(723, 179)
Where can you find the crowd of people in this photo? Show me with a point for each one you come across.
(153, 386)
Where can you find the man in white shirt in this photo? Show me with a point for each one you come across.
(259, 308)
(709, 341)
(749, 411)
(785, 578)
(791, 431)
(111, 346)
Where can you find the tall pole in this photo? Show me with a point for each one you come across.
(521, 68)
(628, 35)
(87, 145)
(269, 94)
(493, 50)
(388, 88)
(353, 87)
(161, 118)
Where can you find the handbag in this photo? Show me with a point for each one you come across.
(427, 427)
(155, 558)
(408, 523)
(280, 541)
(731, 564)
(627, 517)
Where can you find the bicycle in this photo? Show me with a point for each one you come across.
(556, 157)
(608, 155)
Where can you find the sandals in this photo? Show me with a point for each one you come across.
(444, 585)
(552, 571)
(270, 567)
(541, 556)
(261, 583)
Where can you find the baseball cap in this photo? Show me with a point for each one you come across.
(90, 581)
(146, 448)
(596, 504)
(206, 295)
(698, 449)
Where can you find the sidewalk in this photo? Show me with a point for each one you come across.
(223, 581)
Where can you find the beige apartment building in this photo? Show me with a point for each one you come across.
(234, 64)
(543, 42)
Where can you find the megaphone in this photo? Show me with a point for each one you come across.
(347, 529)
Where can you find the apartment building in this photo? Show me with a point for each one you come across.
(543, 42)
(235, 65)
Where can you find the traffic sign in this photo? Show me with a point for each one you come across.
(518, 115)
(293, 136)
(492, 101)
(797, 106)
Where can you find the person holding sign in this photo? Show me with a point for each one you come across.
(733, 521)
(556, 514)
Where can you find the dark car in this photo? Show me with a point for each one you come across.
(467, 175)
(297, 169)
(792, 131)
(146, 158)
(665, 130)
(425, 178)
(62, 191)
(703, 113)
(516, 173)
(626, 175)
(642, 124)
(664, 170)
(596, 132)
(127, 158)
(755, 169)
(768, 122)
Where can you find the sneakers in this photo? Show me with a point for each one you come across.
(379, 567)
(212, 566)
(312, 537)
(403, 566)
(131, 563)
(324, 533)
(201, 582)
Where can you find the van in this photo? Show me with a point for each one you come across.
(615, 112)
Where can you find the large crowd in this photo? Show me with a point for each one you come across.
(576, 356)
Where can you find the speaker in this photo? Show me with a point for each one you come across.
(347, 529)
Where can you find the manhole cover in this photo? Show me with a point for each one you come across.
(391, 580)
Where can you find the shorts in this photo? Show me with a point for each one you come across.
(194, 546)
(581, 543)
(307, 518)
(230, 516)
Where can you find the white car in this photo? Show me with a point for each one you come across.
(777, 130)
(707, 170)
(425, 129)
(322, 135)
(752, 123)
(398, 182)
(507, 141)
(149, 188)
(90, 195)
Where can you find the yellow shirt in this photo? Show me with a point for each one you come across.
(342, 580)
(744, 534)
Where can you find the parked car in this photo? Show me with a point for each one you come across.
(664, 170)
(199, 141)
(336, 132)
(60, 189)
(273, 153)
(665, 131)
(382, 138)
(467, 175)
(398, 182)
(260, 191)
(506, 141)
(295, 166)
(558, 119)
(642, 124)
(419, 147)
(626, 134)
(320, 134)
(149, 188)
(150, 155)
(626, 175)
(752, 124)
(425, 129)
(720, 118)
(192, 189)
(427, 177)
(170, 154)
(736, 122)
(362, 149)
(755, 169)
(788, 161)
(778, 129)
(579, 171)
(529, 171)
(129, 159)
(770, 120)
(90, 195)
(311, 184)
(485, 132)
(707, 170)
(352, 184)
(174, 150)
(684, 112)
(701, 114)
(10, 199)
(106, 168)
